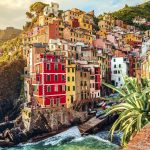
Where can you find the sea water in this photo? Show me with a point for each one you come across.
(70, 140)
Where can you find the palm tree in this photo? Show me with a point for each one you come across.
(134, 108)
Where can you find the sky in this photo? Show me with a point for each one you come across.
(12, 12)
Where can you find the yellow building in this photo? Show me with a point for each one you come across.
(43, 20)
(146, 67)
(82, 84)
(85, 19)
(77, 35)
(102, 33)
(132, 37)
(85, 22)
(70, 83)
(107, 22)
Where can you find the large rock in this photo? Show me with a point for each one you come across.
(15, 135)
(6, 125)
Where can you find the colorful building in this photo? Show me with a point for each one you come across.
(70, 82)
(49, 81)
(145, 65)
(51, 9)
(119, 69)
(78, 14)
(133, 37)
(82, 83)
(77, 35)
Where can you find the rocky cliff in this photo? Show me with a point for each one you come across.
(10, 85)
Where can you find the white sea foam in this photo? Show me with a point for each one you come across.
(69, 134)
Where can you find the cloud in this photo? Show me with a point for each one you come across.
(12, 12)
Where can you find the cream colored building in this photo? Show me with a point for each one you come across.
(146, 67)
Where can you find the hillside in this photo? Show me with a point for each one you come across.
(9, 33)
(11, 68)
(128, 13)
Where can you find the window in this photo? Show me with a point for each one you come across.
(118, 71)
(56, 88)
(93, 85)
(81, 74)
(114, 66)
(35, 88)
(63, 67)
(68, 69)
(52, 102)
(56, 66)
(119, 79)
(115, 71)
(48, 77)
(74, 88)
(63, 88)
(68, 88)
(71, 98)
(48, 89)
(60, 88)
(119, 65)
(57, 101)
(84, 74)
(72, 69)
(114, 60)
(68, 78)
(81, 95)
(72, 78)
(48, 66)
(116, 83)
(56, 77)
(38, 78)
(69, 62)
(63, 77)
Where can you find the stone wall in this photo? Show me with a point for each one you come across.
(141, 141)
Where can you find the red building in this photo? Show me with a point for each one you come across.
(55, 29)
(50, 81)
(97, 79)
(75, 23)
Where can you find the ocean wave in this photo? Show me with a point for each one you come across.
(93, 137)
(64, 136)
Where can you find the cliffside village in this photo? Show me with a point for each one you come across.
(67, 59)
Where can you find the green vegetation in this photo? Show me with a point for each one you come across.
(127, 14)
(36, 9)
(11, 50)
(96, 27)
(134, 109)
(12, 67)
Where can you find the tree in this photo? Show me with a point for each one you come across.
(37, 7)
(29, 15)
(126, 6)
(134, 109)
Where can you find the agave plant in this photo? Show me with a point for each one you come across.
(134, 108)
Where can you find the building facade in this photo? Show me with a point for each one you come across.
(119, 69)
(49, 81)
